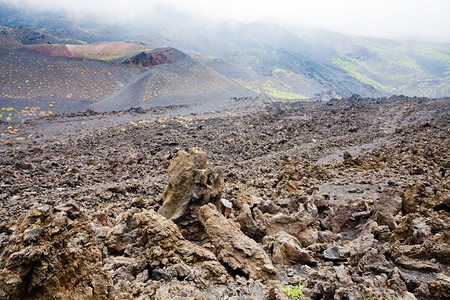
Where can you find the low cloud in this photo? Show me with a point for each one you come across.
(420, 19)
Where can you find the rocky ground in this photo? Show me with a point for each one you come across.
(348, 198)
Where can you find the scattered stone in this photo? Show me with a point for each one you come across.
(373, 261)
(336, 253)
(95, 232)
(166, 246)
(251, 223)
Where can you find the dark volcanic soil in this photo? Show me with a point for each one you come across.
(348, 197)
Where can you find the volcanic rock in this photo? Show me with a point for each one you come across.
(287, 250)
(389, 204)
(336, 253)
(52, 253)
(234, 248)
(276, 293)
(293, 224)
(125, 236)
(166, 246)
(252, 223)
(440, 288)
(420, 238)
(372, 261)
(413, 197)
(191, 183)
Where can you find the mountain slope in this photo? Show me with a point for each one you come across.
(43, 79)
(180, 81)
(402, 69)
(279, 61)
(389, 66)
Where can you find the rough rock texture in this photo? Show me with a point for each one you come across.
(375, 220)
(276, 293)
(235, 249)
(251, 222)
(191, 182)
(440, 288)
(413, 197)
(52, 253)
(421, 240)
(387, 207)
(287, 250)
(167, 246)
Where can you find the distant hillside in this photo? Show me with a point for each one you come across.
(104, 51)
(408, 69)
(179, 81)
(46, 78)
(27, 75)
(264, 58)
(390, 66)
(28, 36)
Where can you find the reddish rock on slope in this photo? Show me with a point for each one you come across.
(157, 57)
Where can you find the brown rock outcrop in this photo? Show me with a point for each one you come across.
(420, 238)
(52, 254)
(389, 204)
(413, 197)
(287, 250)
(234, 248)
(440, 287)
(191, 183)
(251, 222)
(166, 246)
(293, 224)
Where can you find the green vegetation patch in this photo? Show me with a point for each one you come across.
(353, 70)
(283, 95)
(293, 292)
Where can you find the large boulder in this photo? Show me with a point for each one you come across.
(287, 250)
(385, 209)
(166, 247)
(234, 248)
(251, 222)
(191, 185)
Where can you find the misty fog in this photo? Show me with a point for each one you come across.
(419, 20)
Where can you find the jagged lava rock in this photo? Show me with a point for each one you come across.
(166, 246)
(53, 254)
(233, 247)
(252, 222)
(420, 238)
(389, 204)
(191, 182)
(413, 197)
(287, 250)
(440, 288)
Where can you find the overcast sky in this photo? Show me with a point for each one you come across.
(423, 19)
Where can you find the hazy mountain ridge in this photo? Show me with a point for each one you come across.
(281, 62)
